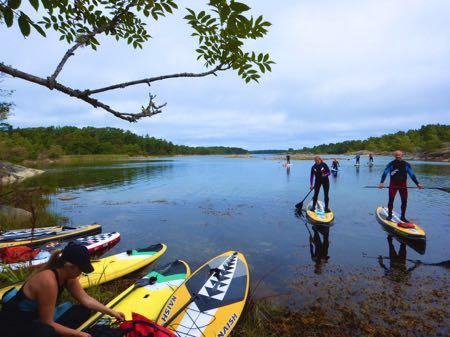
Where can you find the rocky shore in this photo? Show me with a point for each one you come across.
(11, 173)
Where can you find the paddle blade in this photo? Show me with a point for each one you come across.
(299, 205)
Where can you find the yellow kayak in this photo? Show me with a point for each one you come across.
(115, 266)
(38, 236)
(210, 302)
(397, 226)
(146, 297)
(319, 216)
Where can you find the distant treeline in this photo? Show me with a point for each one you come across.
(268, 151)
(17, 145)
(427, 138)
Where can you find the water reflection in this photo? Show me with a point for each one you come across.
(319, 243)
(397, 270)
(106, 177)
(318, 247)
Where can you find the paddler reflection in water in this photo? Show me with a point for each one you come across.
(398, 270)
(31, 312)
(319, 248)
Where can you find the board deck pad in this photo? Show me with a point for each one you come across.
(146, 297)
(210, 302)
(93, 243)
(393, 226)
(319, 216)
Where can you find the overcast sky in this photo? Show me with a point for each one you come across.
(345, 70)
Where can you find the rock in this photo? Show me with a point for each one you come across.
(438, 155)
(17, 214)
(67, 197)
(11, 173)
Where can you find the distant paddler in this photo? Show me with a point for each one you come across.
(318, 178)
(335, 165)
(288, 159)
(357, 157)
(370, 159)
(398, 170)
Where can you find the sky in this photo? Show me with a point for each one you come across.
(344, 70)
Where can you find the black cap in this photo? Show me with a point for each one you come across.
(78, 255)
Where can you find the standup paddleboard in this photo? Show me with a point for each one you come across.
(210, 302)
(319, 216)
(115, 266)
(93, 243)
(397, 226)
(146, 297)
(39, 236)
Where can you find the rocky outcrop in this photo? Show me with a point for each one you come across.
(10, 173)
(438, 155)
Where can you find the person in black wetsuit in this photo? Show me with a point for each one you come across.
(335, 164)
(370, 159)
(288, 158)
(357, 159)
(318, 178)
(398, 170)
(31, 311)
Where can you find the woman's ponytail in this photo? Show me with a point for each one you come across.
(55, 261)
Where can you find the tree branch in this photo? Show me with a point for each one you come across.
(149, 80)
(151, 109)
(85, 38)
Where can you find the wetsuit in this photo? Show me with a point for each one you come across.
(335, 165)
(370, 159)
(319, 176)
(357, 159)
(288, 159)
(398, 170)
(20, 315)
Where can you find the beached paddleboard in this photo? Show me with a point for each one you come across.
(210, 302)
(319, 216)
(93, 243)
(146, 297)
(39, 236)
(397, 226)
(115, 266)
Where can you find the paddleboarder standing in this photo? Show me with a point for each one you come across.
(288, 159)
(357, 159)
(398, 170)
(318, 178)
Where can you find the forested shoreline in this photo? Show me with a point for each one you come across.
(426, 139)
(17, 145)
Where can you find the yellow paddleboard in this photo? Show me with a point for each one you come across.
(42, 235)
(146, 297)
(210, 302)
(395, 225)
(115, 266)
(319, 216)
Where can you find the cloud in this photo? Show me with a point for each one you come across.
(347, 69)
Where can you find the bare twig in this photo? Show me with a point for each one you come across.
(82, 40)
(149, 80)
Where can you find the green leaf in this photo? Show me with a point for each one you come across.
(239, 7)
(8, 15)
(35, 4)
(24, 25)
(38, 29)
(14, 4)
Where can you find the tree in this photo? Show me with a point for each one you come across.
(5, 107)
(221, 30)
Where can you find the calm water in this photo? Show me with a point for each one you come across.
(201, 206)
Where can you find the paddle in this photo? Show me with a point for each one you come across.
(445, 189)
(300, 204)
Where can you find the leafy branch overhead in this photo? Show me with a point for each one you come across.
(221, 29)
